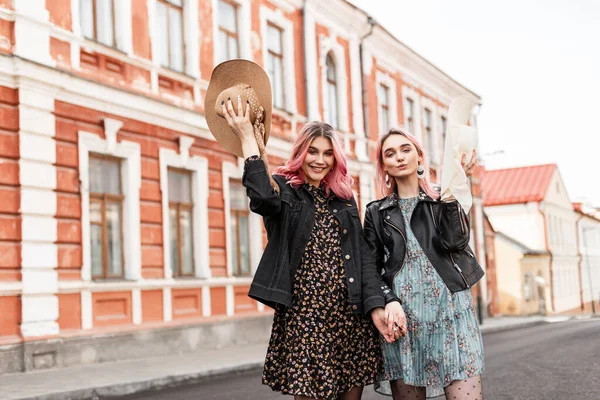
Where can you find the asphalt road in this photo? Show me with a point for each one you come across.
(558, 361)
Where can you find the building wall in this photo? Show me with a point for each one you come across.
(64, 97)
(588, 240)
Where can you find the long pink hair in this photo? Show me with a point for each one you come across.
(337, 180)
(423, 183)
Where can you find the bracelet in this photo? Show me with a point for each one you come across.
(252, 158)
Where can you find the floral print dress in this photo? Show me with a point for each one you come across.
(443, 342)
(318, 348)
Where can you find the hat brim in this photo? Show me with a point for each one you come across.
(460, 110)
(226, 75)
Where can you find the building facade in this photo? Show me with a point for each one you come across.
(120, 212)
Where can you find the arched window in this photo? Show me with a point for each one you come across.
(332, 100)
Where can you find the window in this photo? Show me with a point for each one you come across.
(98, 20)
(409, 115)
(170, 33)
(240, 231)
(106, 215)
(332, 102)
(384, 108)
(443, 127)
(180, 222)
(228, 47)
(428, 133)
(275, 63)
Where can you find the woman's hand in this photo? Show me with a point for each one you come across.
(469, 168)
(380, 322)
(395, 319)
(241, 126)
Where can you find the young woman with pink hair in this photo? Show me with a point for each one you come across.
(311, 272)
(419, 247)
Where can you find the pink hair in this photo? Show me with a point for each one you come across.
(423, 183)
(337, 180)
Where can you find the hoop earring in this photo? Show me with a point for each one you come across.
(387, 181)
(420, 172)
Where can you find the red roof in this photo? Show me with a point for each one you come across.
(516, 185)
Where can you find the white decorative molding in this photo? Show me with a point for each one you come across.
(384, 79)
(284, 5)
(87, 312)
(244, 19)
(76, 286)
(167, 304)
(231, 171)
(230, 300)
(289, 64)
(206, 302)
(410, 93)
(198, 166)
(311, 64)
(357, 101)
(136, 306)
(436, 136)
(32, 31)
(330, 45)
(130, 154)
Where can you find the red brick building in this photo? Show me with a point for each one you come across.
(121, 215)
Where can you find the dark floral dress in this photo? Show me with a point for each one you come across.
(318, 348)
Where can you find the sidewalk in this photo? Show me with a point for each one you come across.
(127, 377)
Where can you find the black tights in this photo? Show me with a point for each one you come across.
(469, 389)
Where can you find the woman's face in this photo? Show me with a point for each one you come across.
(400, 157)
(318, 161)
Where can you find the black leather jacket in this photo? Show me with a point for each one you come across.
(289, 219)
(442, 230)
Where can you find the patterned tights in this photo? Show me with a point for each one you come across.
(469, 389)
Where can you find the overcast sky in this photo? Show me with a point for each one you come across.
(536, 65)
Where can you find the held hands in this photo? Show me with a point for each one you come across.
(241, 126)
(390, 322)
(469, 168)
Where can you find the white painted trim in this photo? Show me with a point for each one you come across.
(167, 304)
(136, 306)
(230, 300)
(244, 20)
(434, 155)
(199, 169)
(149, 284)
(409, 93)
(283, 5)
(206, 302)
(330, 45)
(131, 178)
(231, 171)
(384, 79)
(289, 63)
(32, 31)
(87, 312)
(361, 148)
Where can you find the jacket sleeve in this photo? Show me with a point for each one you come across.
(453, 226)
(264, 200)
(376, 293)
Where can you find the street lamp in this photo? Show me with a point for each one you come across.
(589, 267)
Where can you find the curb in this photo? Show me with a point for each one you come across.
(525, 324)
(129, 388)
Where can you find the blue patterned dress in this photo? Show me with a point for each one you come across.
(443, 343)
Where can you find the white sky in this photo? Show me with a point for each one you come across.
(536, 65)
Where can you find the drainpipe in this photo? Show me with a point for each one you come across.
(551, 257)
(363, 82)
(580, 264)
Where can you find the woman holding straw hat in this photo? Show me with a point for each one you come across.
(418, 246)
(310, 273)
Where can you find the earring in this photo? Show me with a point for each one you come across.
(420, 172)
(387, 181)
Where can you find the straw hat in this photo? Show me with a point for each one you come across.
(230, 79)
(460, 139)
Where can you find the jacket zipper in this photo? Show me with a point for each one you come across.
(405, 245)
(459, 270)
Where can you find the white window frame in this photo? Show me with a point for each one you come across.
(198, 166)
(442, 112)
(130, 154)
(382, 78)
(232, 171)
(123, 29)
(330, 45)
(289, 66)
(434, 155)
(410, 93)
(191, 43)
(244, 19)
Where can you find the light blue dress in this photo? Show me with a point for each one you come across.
(443, 343)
